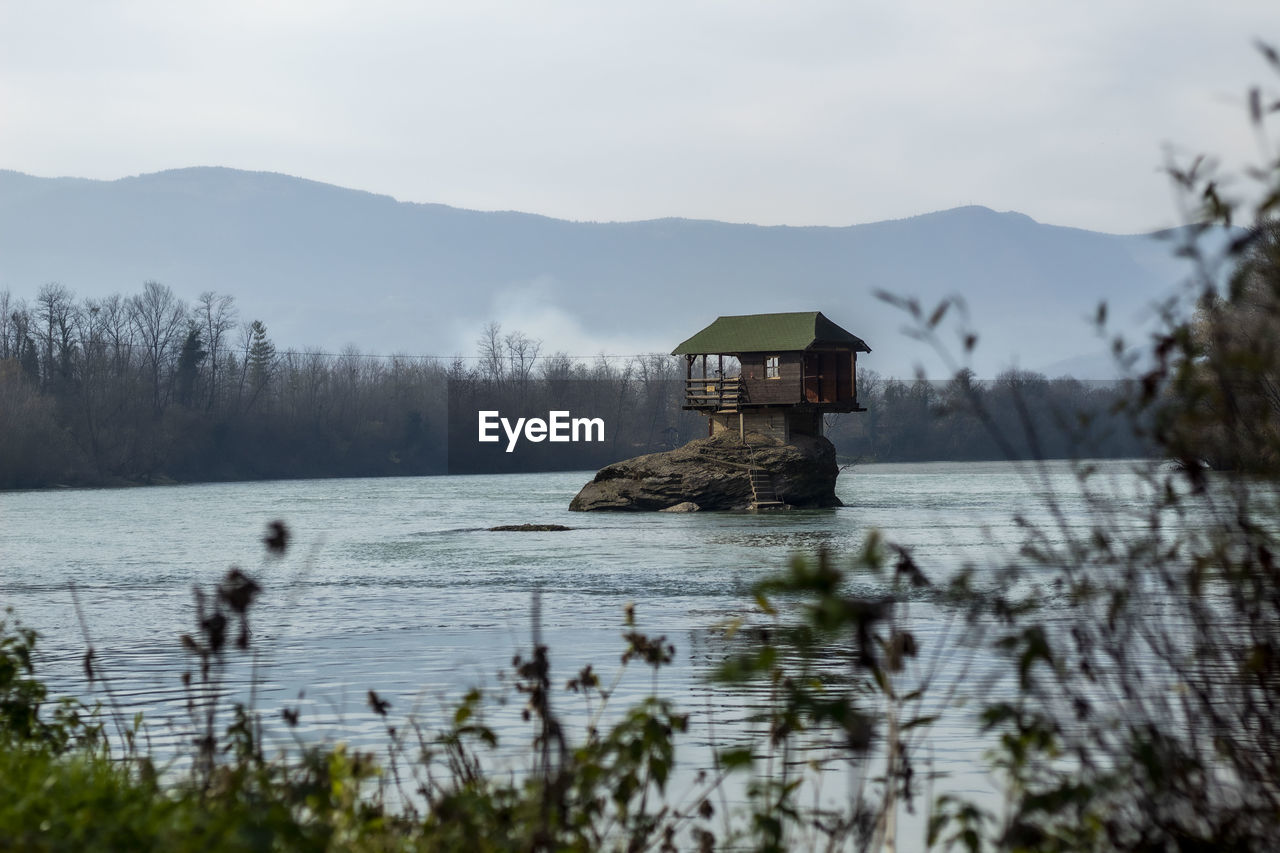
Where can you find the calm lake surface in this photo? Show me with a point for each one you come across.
(396, 584)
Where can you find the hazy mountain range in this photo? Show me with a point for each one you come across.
(325, 267)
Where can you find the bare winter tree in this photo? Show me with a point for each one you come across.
(8, 346)
(160, 320)
(55, 312)
(115, 319)
(216, 315)
(557, 367)
(522, 353)
(493, 367)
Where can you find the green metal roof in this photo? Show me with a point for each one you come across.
(798, 330)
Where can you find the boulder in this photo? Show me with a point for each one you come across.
(687, 506)
(713, 473)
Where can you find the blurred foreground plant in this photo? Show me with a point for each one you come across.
(1142, 709)
(846, 686)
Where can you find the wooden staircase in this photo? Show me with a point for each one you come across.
(762, 495)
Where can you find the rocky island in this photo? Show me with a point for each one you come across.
(773, 379)
(725, 472)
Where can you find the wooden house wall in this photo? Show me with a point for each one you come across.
(782, 424)
(783, 390)
(848, 376)
(830, 376)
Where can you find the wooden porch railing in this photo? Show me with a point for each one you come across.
(715, 393)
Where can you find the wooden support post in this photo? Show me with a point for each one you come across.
(853, 379)
(720, 383)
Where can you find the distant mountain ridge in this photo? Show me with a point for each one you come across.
(326, 266)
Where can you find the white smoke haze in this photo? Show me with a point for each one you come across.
(535, 308)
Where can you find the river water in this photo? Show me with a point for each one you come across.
(397, 585)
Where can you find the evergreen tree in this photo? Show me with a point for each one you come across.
(189, 361)
(261, 360)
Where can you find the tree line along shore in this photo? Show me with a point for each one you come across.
(147, 388)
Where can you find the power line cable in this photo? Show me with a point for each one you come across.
(402, 356)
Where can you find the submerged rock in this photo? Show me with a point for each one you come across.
(527, 528)
(713, 473)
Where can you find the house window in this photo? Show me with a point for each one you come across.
(771, 367)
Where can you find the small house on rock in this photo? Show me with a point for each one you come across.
(792, 369)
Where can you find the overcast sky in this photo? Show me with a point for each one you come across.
(795, 112)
